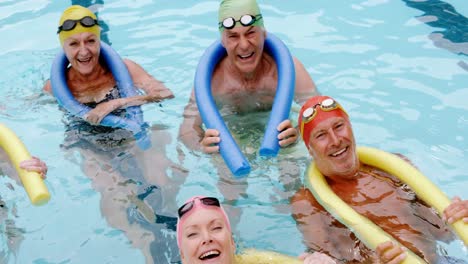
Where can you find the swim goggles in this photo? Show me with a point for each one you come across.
(209, 201)
(70, 24)
(326, 105)
(245, 20)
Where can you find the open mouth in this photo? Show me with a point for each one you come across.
(210, 255)
(339, 152)
(84, 60)
(246, 56)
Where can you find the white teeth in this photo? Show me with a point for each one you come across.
(211, 252)
(246, 56)
(339, 152)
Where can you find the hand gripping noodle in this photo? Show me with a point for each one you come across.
(17, 152)
(211, 117)
(134, 120)
(368, 232)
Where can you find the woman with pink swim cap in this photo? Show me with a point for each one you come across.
(204, 236)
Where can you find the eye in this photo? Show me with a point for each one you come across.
(192, 234)
(320, 135)
(217, 228)
(339, 125)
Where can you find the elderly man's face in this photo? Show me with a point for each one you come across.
(244, 46)
(333, 148)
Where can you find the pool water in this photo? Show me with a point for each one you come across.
(400, 68)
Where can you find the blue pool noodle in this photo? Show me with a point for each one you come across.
(284, 94)
(211, 117)
(134, 119)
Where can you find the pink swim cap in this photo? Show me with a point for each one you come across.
(197, 204)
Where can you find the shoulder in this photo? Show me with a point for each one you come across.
(132, 66)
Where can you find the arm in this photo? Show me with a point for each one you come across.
(305, 86)
(155, 91)
(191, 132)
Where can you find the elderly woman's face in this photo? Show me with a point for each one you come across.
(206, 238)
(82, 50)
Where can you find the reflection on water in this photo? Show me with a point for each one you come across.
(441, 15)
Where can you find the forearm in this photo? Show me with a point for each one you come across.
(191, 133)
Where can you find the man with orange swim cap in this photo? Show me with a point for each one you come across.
(327, 133)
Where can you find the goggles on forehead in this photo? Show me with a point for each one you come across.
(70, 24)
(245, 20)
(326, 105)
(209, 201)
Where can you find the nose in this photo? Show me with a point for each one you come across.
(243, 43)
(206, 238)
(83, 49)
(334, 139)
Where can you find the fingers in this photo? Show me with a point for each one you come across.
(316, 258)
(457, 210)
(34, 164)
(210, 141)
(288, 133)
(391, 253)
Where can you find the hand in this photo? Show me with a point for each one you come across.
(210, 141)
(35, 164)
(391, 253)
(288, 134)
(95, 116)
(316, 258)
(457, 210)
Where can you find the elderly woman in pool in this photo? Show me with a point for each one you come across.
(89, 79)
(204, 235)
(132, 190)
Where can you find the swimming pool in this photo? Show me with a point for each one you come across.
(402, 77)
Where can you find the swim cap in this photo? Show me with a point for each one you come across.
(76, 12)
(314, 104)
(197, 204)
(238, 8)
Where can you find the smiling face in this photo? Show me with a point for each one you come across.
(333, 147)
(244, 47)
(82, 51)
(206, 238)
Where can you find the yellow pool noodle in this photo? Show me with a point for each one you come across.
(17, 152)
(253, 256)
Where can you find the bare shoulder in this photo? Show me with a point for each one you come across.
(133, 67)
(305, 86)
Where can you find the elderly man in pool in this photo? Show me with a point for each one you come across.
(204, 236)
(245, 80)
(382, 198)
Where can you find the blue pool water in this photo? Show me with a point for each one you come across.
(400, 68)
